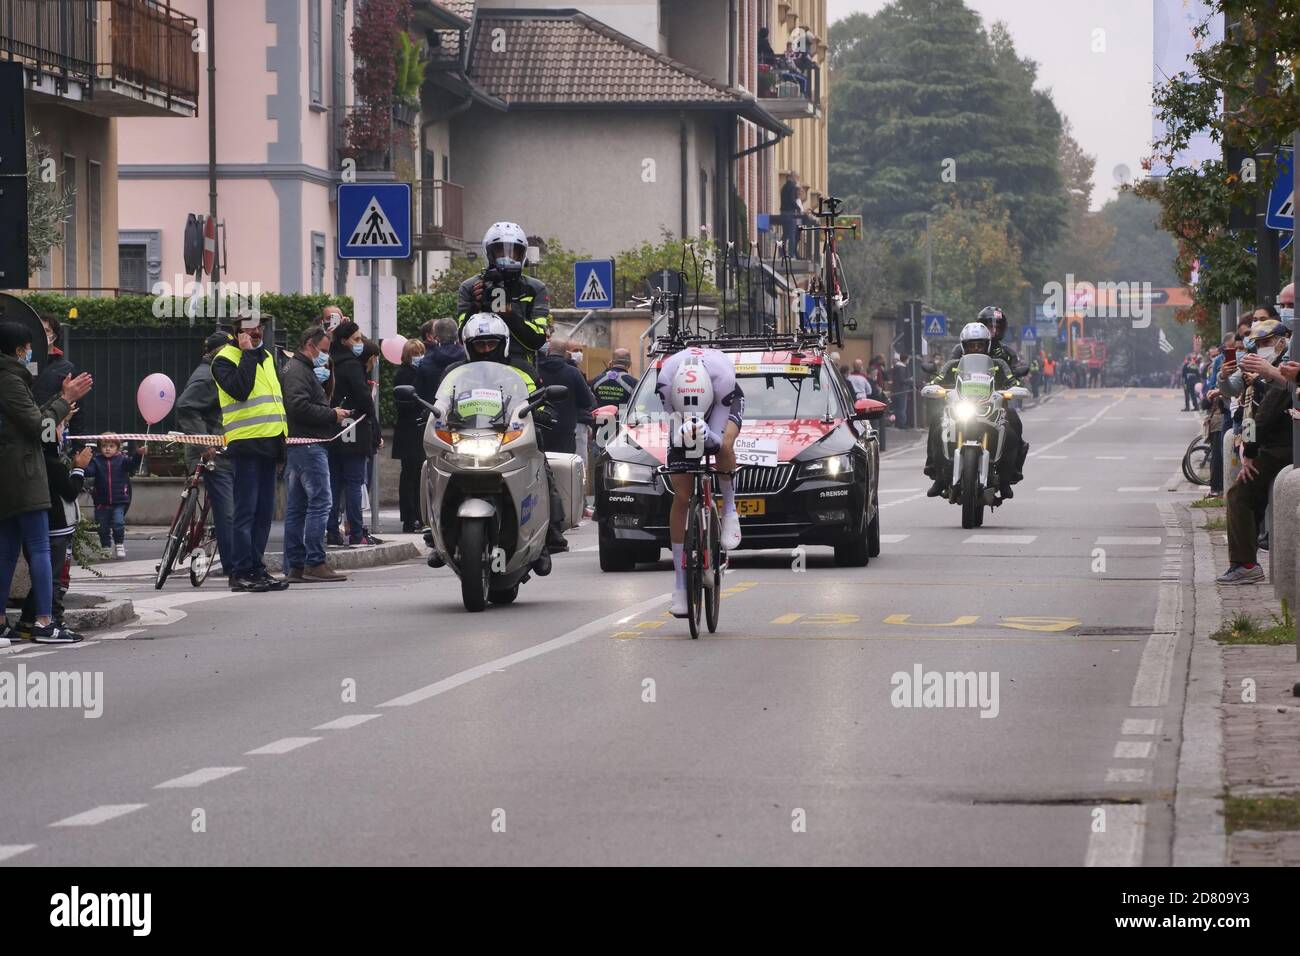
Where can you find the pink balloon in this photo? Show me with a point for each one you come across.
(392, 349)
(155, 397)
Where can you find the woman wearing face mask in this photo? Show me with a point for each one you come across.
(24, 505)
(408, 439)
(349, 454)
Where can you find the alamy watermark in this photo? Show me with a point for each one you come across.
(78, 690)
(198, 300)
(1099, 300)
(951, 689)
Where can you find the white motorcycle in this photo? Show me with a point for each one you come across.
(484, 490)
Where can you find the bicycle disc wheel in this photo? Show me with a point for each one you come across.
(713, 593)
(693, 555)
(179, 530)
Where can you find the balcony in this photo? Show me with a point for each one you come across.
(107, 57)
(789, 93)
(441, 223)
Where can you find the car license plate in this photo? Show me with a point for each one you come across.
(751, 506)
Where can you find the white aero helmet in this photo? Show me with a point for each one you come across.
(975, 332)
(483, 327)
(506, 246)
(691, 390)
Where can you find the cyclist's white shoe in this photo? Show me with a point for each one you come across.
(121, 551)
(730, 532)
(678, 608)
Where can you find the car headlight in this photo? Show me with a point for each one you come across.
(833, 467)
(964, 410)
(621, 473)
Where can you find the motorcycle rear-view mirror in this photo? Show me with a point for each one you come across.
(928, 368)
(1020, 371)
(407, 393)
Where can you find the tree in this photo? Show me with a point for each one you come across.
(1140, 249)
(929, 107)
(976, 258)
(1084, 246)
(47, 205)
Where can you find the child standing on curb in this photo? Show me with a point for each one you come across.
(111, 472)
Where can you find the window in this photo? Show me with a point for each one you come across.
(133, 267)
(94, 209)
(317, 263)
(70, 224)
(314, 77)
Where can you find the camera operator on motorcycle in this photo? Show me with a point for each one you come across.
(976, 339)
(524, 305)
(995, 320)
(706, 409)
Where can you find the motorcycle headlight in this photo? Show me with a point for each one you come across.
(833, 467)
(478, 446)
(964, 410)
(628, 473)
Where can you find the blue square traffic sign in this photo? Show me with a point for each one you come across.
(934, 325)
(374, 220)
(1281, 200)
(593, 284)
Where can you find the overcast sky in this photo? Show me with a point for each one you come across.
(1105, 95)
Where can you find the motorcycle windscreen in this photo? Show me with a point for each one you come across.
(481, 395)
(975, 376)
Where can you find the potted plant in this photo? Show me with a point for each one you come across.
(412, 59)
(369, 129)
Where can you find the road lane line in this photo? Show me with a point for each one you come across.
(1058, 488)
(347, 722)
(100, 814)
(599, 626)
(1120, 844)
(899, 491)
(1126, 539)
(1054, 457)
(281, 746)
(1140, 490)
(1138, 725)
(1074, 431)
(1001, 539)
(1111, 457)
(1127, 775)
(1133, 749)
(903, 501)
(198, 778)
(893, 538)
(12, 850)
(1151, 685)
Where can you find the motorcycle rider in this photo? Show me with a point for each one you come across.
(524, 305)
(995, 320)
(698, 389)
(976, 339)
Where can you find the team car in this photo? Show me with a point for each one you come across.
(807, 454)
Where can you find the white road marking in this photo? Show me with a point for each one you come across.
(1143, 489)
(899, 491)
(198, 778)
(1168, 458)
(1138, 725)
(598, 626)
(1058, 488)
(1151, 685)
(29, 656)
(903, 501)
(1120, 844)
(1074, 431)
(100, 814)
(1123, 539)
(80, 644)
(11, 851)
(1111, 457)
(893, 538)
(1077, 418)
(1001, 539)
(119, 635)
(281, 746)
(1133, 749)
(1126, 775)
(347, 722)
(1054, 457)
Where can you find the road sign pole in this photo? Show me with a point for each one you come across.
(374, 337)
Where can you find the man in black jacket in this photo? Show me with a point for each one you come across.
(555, 370)
(1266, 440)
(441, 348)
(307, 466)
(198, 412)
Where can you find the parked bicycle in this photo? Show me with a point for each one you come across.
(1197, 458)
(192, 532)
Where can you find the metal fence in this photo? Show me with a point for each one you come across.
(52, 36)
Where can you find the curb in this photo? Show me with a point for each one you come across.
(390, 552)
(105, 614)
(1199, 836)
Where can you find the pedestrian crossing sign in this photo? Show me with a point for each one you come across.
(374, 221)
(593, 283)
(1281, 199)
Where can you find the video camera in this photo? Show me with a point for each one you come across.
(494, 278)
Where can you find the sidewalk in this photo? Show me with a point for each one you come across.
(1261, 737)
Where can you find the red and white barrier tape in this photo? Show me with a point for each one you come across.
(180, 438)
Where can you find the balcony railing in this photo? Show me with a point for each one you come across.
(55, 37)
(788, 92)
(148, 44)
(442, 214)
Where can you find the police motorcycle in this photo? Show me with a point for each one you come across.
(483, 485)
(974, 429)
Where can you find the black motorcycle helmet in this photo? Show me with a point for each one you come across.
(995, 319)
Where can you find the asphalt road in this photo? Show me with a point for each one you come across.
(581, 725)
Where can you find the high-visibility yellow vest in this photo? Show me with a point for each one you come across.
(261, 415)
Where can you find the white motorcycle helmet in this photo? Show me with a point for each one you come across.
(691, 390)
(973, 332)
(506, 246)
(486, 327)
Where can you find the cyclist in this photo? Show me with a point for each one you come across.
(976, 339)
(706, 406)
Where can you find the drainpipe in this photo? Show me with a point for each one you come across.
(424, 129)
(681, 125)
(212, 137)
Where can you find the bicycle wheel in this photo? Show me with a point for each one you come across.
(713, 593)
(175, 536)
(693, 556)
(1196, 464)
